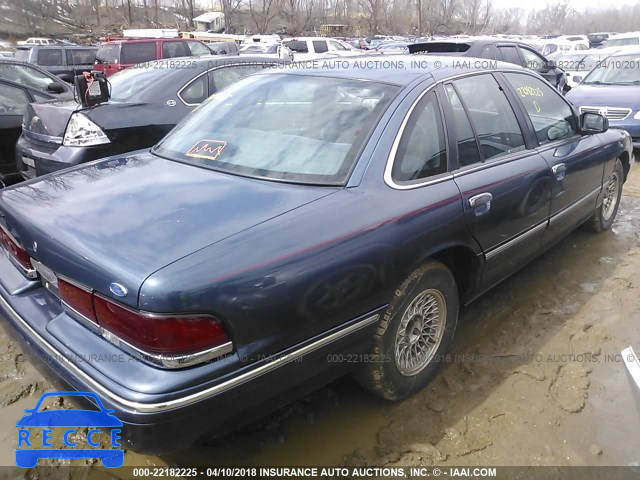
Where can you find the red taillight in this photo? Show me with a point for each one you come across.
(158, 334)
(78, 298)
(16, 251)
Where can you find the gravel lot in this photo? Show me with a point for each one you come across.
(535, 378)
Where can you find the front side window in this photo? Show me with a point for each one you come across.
(174, 49)
(551, 116)
(422, 148)
(491, 115)
(197, 48)
(294, 128)
(13, 100)
(50, 57)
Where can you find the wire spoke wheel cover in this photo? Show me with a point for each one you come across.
(420, 332)
(610, 196)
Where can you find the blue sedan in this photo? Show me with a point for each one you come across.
(302, 224)
(612, 89)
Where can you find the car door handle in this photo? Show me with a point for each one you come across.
(559, 171)
(481, 200)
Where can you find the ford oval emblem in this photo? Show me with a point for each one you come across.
(118, 290)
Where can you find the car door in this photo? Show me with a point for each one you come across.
(576, 161)
(503, 181)
(536, 62)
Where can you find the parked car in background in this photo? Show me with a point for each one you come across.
(145, 104)
(223, 48)
(270, 50)
(578, 65)
(612, 89)
(309, 48)
(623, 40)
(14, 98)
(597, 39)
(65, 61)
(359, 43)
(7, 53)
(116, 55)
(552, 49)
(510, 51)
(389, 198)
(393, 47)
(37, 41)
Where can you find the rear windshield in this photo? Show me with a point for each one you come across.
(294, 128)
(130, 84)
(440, 47)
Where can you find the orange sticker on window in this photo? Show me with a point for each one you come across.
(208, 149)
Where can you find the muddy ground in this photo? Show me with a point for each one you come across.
(535, 378)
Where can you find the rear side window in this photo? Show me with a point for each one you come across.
(50, 57)
(175, 49)
(23, 54)
(297, 46)
(550, 115)
(320, 46)
(138, 52)
(491, 116)
(422, 151)
(510, 54)
(80, 56)
(468, 152)
(196, 92)
(490, 51)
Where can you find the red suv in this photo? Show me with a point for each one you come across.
(116, 55)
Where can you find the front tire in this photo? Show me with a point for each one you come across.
(606, 212)
(413, 335)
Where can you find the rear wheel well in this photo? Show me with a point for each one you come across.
(465, 267)
(626, 164)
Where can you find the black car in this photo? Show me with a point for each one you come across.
(147, 101)
(496, 49)
(65, 61)
(20, 85)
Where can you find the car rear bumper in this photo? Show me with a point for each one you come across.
(36, 158)
(165, 421)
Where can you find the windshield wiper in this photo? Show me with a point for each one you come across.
(632, 82)
(597, 82)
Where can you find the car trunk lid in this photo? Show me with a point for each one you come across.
(121, 219)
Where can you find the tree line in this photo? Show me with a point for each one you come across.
(295, 17)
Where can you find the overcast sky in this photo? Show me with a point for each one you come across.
(580, 5)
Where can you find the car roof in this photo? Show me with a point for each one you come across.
(146, 40)
(629, 50)
(401, 69)
(624, 35)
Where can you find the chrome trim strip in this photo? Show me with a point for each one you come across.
(514, 241)
(40, 136)
(571, 208)
(152, 407)
(396, 142)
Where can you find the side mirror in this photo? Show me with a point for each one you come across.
(552, 64)
(55, 88)
(577, 78)
(591, 123)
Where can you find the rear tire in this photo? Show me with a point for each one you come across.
(606, 212)
(413, 335)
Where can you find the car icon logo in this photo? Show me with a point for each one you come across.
(118, 290)
(72, 420)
